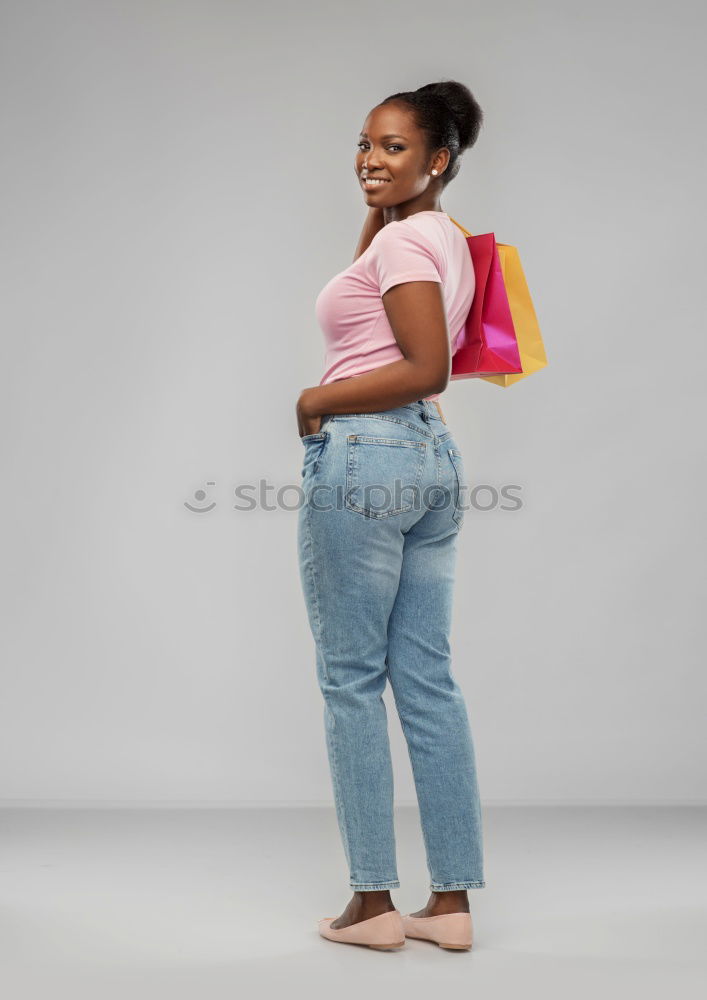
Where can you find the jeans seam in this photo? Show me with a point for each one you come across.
(458, 513)
(385, 416)
(391, 884)
(450, 886)
(315, 593)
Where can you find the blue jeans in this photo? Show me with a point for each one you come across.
(384, 497)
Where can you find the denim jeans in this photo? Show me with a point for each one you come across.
(384, 497)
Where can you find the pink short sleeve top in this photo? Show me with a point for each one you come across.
(427, 246)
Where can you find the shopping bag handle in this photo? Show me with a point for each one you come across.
(465, 231)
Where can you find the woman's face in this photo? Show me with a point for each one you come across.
(391, 149)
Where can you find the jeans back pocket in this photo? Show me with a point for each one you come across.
(382, 474)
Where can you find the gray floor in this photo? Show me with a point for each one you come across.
(210, 903)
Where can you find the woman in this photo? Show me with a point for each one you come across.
(383, 479)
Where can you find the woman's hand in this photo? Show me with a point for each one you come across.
(309, 417)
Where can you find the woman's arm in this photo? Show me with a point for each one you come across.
(372, 225)
(415, 310)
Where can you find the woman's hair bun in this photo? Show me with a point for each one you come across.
(463, 107)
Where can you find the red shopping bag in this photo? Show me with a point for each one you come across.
(487, 345)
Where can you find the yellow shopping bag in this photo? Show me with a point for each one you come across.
(525, 322)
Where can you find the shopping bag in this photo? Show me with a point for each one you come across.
(492, 320)
(487, 345)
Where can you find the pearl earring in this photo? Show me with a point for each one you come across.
(434, 173)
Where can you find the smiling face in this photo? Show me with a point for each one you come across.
(393, 165)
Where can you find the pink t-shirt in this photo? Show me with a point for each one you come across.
(427, 246)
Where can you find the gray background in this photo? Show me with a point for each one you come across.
(177, 186)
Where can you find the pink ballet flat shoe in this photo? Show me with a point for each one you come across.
(383, 932)
(448, 930)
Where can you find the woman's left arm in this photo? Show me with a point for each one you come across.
(416, 313)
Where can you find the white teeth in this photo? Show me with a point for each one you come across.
(371, 180)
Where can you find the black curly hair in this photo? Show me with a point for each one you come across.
(448, 114)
